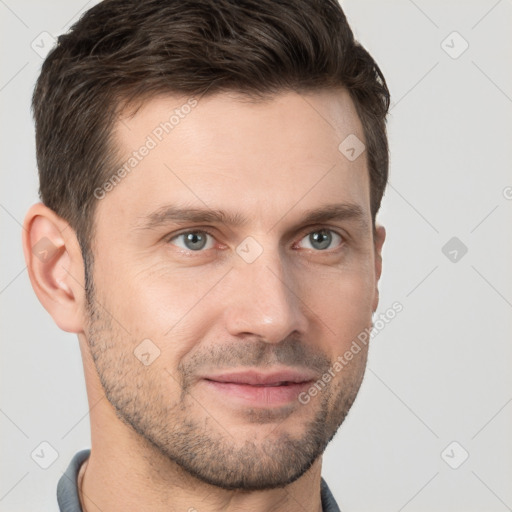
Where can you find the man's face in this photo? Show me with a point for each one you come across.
(249, 301)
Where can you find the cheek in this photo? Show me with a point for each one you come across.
(342, 300)
(168, 306)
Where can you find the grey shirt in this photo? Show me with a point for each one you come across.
(67, 490)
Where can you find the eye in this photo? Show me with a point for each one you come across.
(193, 240)
(321, 239)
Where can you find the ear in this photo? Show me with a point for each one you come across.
(55, 266)
(379, 237)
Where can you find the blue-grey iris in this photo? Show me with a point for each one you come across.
(195, 240)
(320, 239)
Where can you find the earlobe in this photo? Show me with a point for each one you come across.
(55, 266)
(380, 236)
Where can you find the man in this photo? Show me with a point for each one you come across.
(210, 175)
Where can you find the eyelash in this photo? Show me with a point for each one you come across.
(303, 234)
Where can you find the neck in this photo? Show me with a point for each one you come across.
(105, 487)
(120, 476)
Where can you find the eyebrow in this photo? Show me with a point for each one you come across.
(176, 214)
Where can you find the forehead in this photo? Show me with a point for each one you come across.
(258, 159)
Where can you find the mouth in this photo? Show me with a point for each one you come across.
(285, 383)
(259, 389)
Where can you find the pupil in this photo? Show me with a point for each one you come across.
(320, 239)
(195, 241)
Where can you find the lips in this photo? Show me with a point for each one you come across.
(259, 389)
(256, 378)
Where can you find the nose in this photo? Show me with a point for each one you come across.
(263, 301)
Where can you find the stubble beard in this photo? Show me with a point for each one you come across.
(206, 448)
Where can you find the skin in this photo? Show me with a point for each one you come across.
(161, 438)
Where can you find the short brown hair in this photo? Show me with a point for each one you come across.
(122, 50)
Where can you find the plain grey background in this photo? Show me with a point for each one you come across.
(430, 430)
